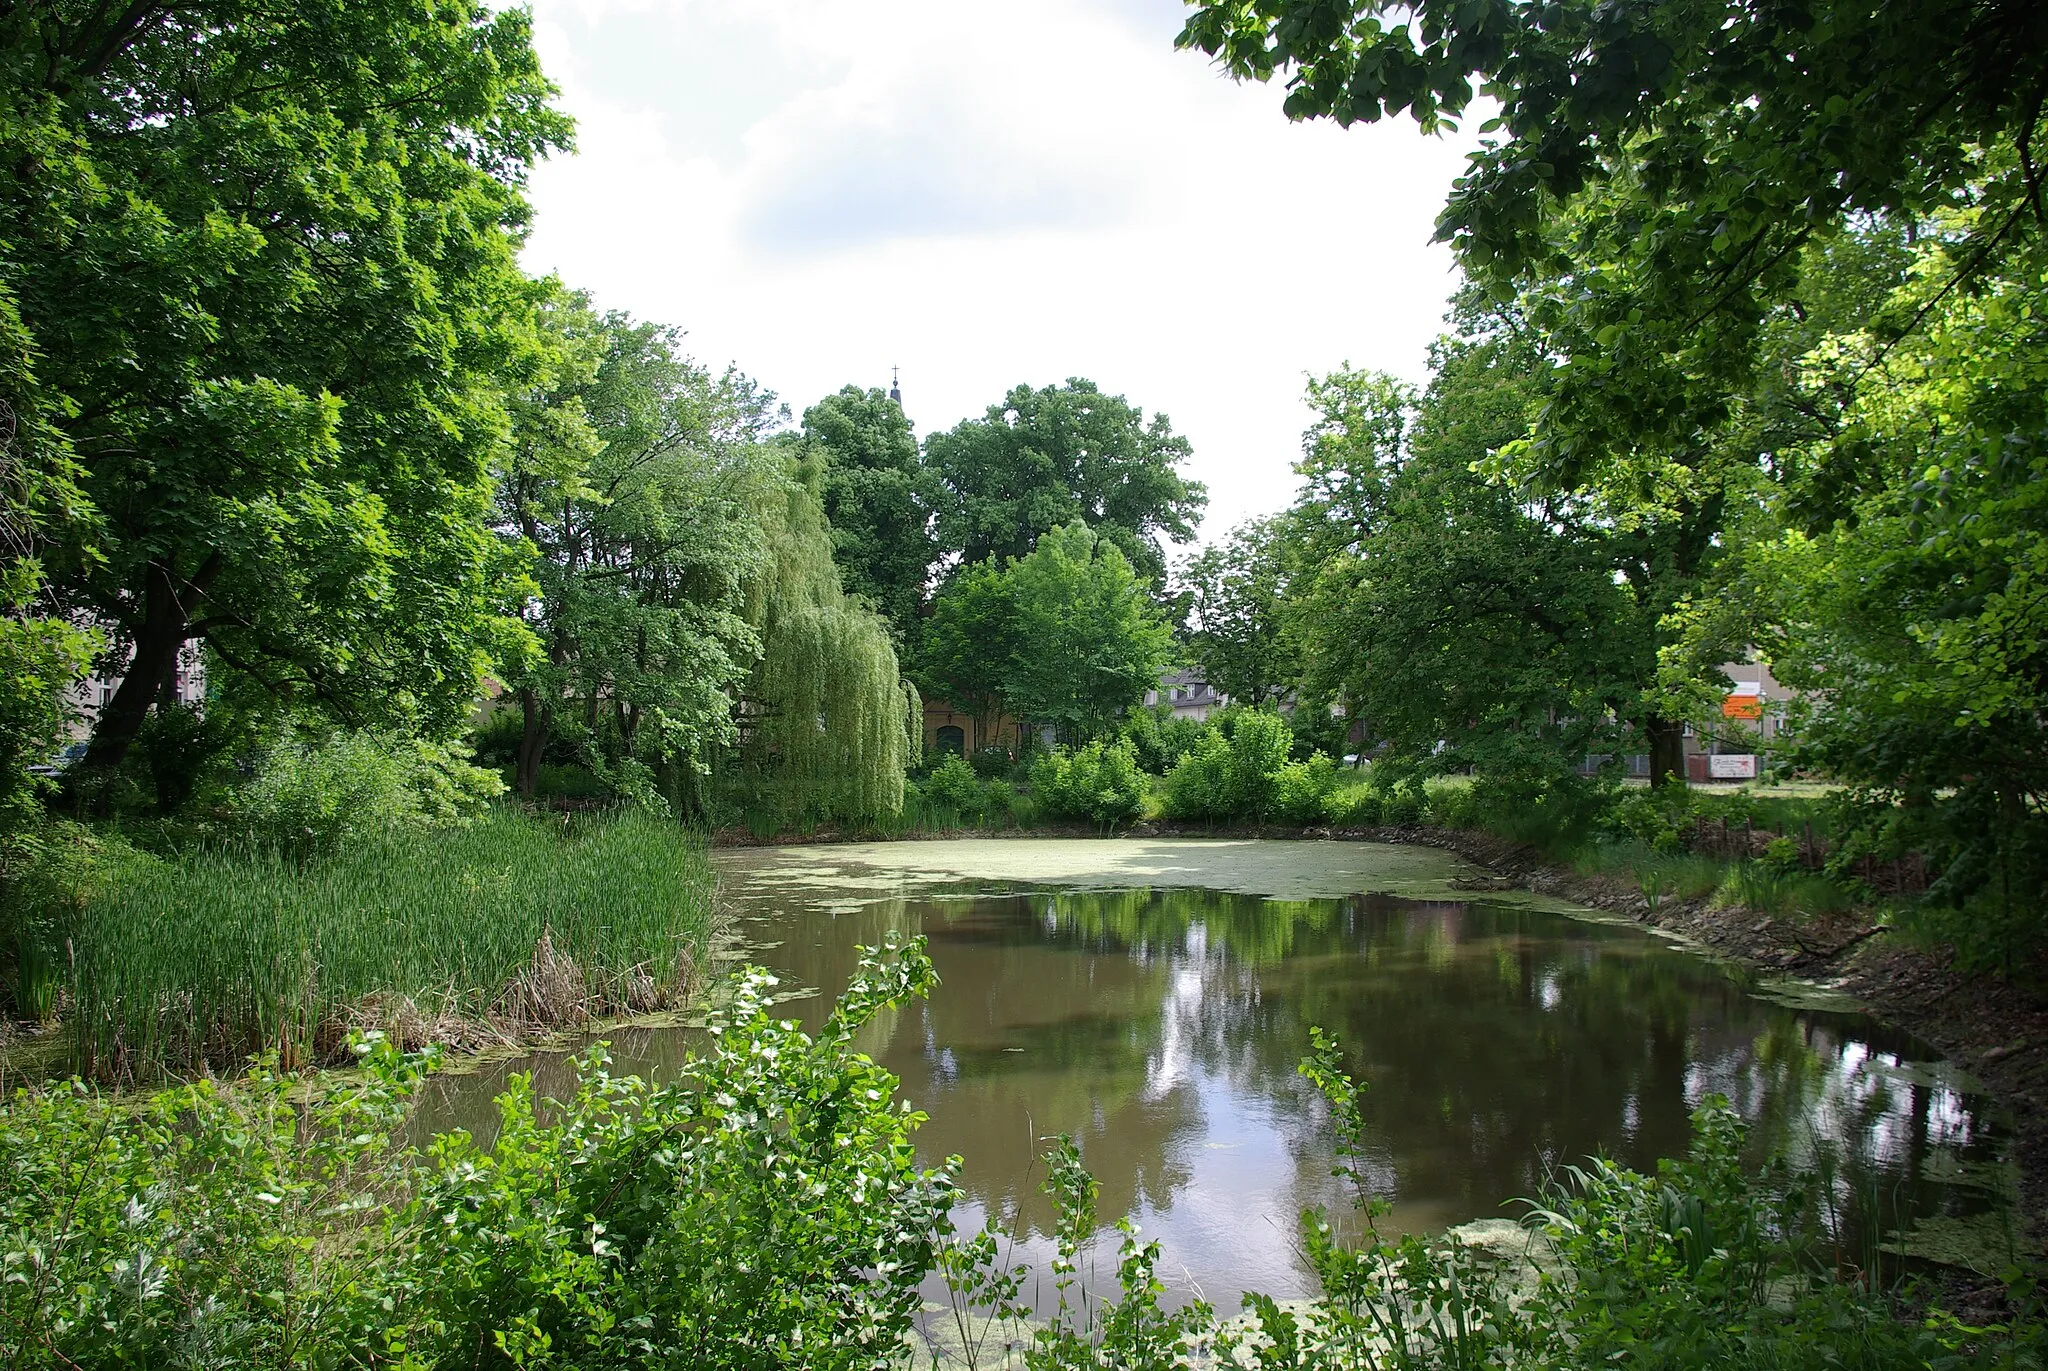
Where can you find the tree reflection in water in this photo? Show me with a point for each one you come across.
(1161, 1029)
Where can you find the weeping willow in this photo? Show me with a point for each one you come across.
(827, 721)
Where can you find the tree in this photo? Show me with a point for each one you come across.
(42, 654)
(1711, 143)
(881, 535)
(1088, 641)
(827, 722)
(1900, 580)
(264, 257)
(1043, 458)
(1236, 597)
(965, 652)
(633, 481)
(1461, 626)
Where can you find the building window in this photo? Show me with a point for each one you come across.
(952, 738)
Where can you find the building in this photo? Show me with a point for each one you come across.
(1187, 695)
(949, 729)
(89, 696)
(1752, 719)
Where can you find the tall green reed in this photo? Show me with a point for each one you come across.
(514, 922)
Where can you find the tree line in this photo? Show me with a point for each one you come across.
(278, 395)
(1749, 363)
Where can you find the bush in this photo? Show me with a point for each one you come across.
(1233, 775)
(1302, 791)
(47, 870)
(1657, 818)
(1099, 783)
(1358, 806)
(992, 763)
(1402, 808)
(766, 1210)
(1160, 738)
(763, 1210)
(952, 783)
(1448, 804)
(311, 797)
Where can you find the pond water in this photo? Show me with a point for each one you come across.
(1152, 999)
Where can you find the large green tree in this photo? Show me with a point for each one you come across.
(1068, 636)
(965, 651)
(1900, 579)
(1236, 598)
(1719, 140)
(1461, 625)
(633, 481)
(262, 256)
(881, 525)
(1045, 457)
(1657, 187)
(827, 721)
(1089, 640)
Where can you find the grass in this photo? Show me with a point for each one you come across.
(1000, 806)
(1674, 875)
(508, 924)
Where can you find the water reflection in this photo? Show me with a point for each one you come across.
(1162, 1029)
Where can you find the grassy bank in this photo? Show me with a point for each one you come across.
(500, 927)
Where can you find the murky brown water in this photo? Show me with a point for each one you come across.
(1160, 1025)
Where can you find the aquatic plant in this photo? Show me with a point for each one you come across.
(510, 924)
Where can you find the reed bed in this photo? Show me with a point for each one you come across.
(507, 926)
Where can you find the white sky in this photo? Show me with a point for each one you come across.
(988, 192)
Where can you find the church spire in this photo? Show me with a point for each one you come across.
(895, 391)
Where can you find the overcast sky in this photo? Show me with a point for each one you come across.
(988, 192)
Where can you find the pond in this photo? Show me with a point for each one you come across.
(1152, 998)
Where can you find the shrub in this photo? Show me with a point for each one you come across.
(1160, 738)
(764, 1210)
(1656, 818)
(1100, 783)
(310, 797)
(569, 781)
(1302, 790)
(992, 763)
(1357, 806)
(1233, 776)
(47, 870)
(1448, 804)
(209, 1225)
(1402, 808)
(952, 783)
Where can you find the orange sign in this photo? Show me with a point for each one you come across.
(1742, 707)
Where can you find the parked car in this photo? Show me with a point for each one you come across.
(68, 757)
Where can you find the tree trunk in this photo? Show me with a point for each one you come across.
(1667, 751)
(533, 741)
(153, 663)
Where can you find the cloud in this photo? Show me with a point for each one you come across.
(932, 162)
(987, 192)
